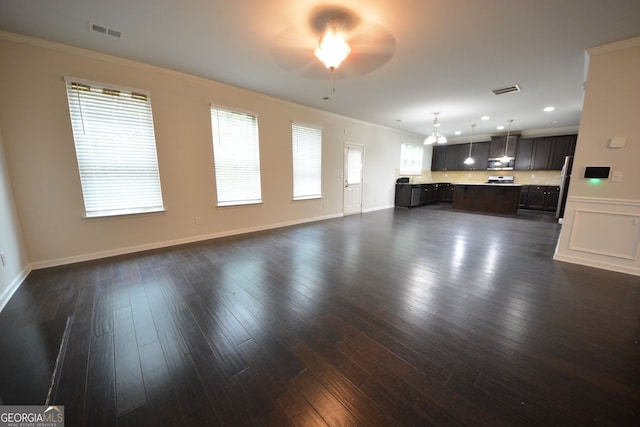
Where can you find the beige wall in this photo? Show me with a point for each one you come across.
(602, 220)
(41, 158)
(16, 267)
(611, 109)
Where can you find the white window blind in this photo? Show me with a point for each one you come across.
(307, 161)
(410, 159)
(115, 148)
(236, 155)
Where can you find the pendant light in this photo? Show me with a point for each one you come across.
(505, 158)
(469, 160)
(435, 137)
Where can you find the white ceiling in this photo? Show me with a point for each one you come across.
(410, 58)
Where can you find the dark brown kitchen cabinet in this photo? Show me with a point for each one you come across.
(541, 197)
(445, 192)
(455, 157)
(411, 195)
(524, 154)
(533, 153)
(553, 197)
(428, 193)
(439, 158)
(479, 153)
(524, 197)
(452, 157)
(541, 153)
(544, 153)
(499, 146)
(446, 158)
(563, 146)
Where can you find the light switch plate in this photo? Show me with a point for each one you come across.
(616, 176)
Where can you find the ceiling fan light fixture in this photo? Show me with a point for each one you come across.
(332, 48)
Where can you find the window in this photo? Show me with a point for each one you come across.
(410, 159)
(236, 157)
(307, 161)
(115, 148)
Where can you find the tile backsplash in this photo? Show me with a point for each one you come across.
(537, 177)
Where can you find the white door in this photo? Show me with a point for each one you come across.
(353, 162)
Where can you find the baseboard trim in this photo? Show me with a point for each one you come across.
(380, 208)
(168, 243)
(13, 287)
(598, 264)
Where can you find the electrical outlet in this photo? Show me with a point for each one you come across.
(4, 259)
(198, 220)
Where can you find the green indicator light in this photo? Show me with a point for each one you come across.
(594, 180)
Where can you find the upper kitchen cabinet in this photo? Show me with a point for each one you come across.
(545, 153)
(439, 158)
(499, 144)
(524, 154)
(452, 157)
(455, 157)
(479, 153)
(563, 146)
(533, 154)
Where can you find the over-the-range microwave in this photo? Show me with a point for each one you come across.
(500, 163)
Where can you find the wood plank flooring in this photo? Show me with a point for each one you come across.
(404, 317)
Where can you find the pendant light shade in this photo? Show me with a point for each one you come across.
(469, 160)
(505, 158)
(435, 137)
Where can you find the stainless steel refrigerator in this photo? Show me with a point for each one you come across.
(565, 177)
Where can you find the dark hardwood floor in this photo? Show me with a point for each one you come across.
(403, 317)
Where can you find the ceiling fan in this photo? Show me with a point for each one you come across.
(371, 44)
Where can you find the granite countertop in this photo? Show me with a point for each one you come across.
(488, 184)
(462, 183)
(423, 182)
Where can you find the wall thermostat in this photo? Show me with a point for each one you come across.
(597, 171)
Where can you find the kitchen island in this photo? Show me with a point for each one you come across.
(500, 199)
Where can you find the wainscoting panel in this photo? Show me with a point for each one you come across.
(610, 234)
(602, 233)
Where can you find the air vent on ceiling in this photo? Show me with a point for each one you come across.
(508, 89)
(107, 31)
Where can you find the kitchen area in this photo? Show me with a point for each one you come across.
(508, 173)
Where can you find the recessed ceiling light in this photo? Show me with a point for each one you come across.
(500, 127)
(555, 122)
(399, 120)
(457, 132)
(549, 108)
(485, 117)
